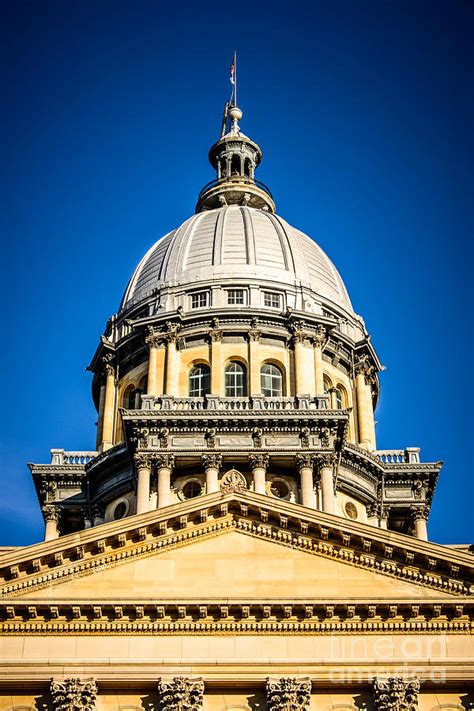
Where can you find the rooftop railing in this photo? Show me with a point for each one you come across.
(410, 455)
(235, 404)
(60, 456)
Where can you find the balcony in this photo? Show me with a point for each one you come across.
(256, 403)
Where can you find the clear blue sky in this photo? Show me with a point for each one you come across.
(363, 110)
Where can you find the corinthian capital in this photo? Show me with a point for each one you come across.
(288, 694)
(109, 364)
(326, 459)
(395, 694)
(142, 460)
(419, 512)
(213, 461)
(304, 461)
(181, 694)
(165, 461)
(320, 337)
(258, 461)
(51, 513)
(153, 338)
(73, 694)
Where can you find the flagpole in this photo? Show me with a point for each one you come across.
(235, 78)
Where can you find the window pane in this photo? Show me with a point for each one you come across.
(199, 381)
(271, 300)
(199, 300)
(235, 296)
(235, 380)
(271, 381)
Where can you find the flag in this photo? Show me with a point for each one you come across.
(232, 71)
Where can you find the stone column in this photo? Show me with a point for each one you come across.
(165, 465)
(73, 694)
(304, 462)
(217, 366)
(109, 405)
(143, 466)
(259, 463)
(171, 338)
(100, 417)
(419, 517)
(153, 340)
(365, 411)
(372, 510)
(255, 387)
(326, 473)
(51, 515)
(212, 464)
(319, 343)
(304, 363)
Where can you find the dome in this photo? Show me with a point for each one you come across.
(238, 244)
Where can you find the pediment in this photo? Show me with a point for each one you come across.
(244, 552)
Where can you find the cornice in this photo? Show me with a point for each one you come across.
(231, 616)
(349, 542)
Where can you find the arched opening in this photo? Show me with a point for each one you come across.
(129, 398)
(327, 385)
(235, 380)
(199, 380)
(235, 166)
(248, 168)
(271, 380)
(341, 397)
(223, 168)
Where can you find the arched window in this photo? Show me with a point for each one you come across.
(235, 165)
(235, 380)
(327, 385)
(129, 398)
(271, 380)
(247, 167)
(199, 380)
(341, 400)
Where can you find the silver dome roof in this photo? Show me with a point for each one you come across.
(241, 244)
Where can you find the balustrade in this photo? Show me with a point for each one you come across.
(410, 455)
(59, 456)
(235, 404)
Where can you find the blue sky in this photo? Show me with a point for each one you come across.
(364, 112)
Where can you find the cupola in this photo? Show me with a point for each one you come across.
(235, 158)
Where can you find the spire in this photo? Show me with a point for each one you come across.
(235, 158)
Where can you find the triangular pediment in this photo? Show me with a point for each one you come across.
(241, 555)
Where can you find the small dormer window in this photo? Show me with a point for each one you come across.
(200, 299)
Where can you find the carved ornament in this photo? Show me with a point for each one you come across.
(142, 460)
(165, 461)
(395, 694)
(73, 694)
(304, 461)
(51, 513)
(419, 512)
(153, 337)
(233, 481)
(326, 460)
(288, 694)
(181, 694)
(109, 364)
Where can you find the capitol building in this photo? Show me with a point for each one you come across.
(235, 539)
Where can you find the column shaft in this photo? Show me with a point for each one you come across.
(259, 480)
(304, 369)
(217, 366)
(152, 371)
(143, 485)
(327, 489)
(109, 409)
(318, 369)
(164, 480)
(365, 413)
(171, 374)
(100, 417)
(212, 480)
(421, 529)
(305, 466)
(51, 530)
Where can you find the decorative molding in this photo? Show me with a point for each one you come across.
(108, 362)
(288, 694)
(419, 512)
(153, 338)
(327, 459)
(395, 694)
(165, 461)
(142, 460)
(181, 694)
(73, 694)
